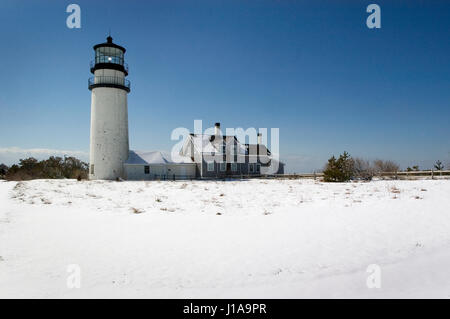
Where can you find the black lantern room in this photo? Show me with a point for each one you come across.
(109, 55)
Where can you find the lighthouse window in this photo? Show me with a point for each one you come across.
(147, 169)
(109, 55)
(92, 169)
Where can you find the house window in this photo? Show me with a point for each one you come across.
(92, 169)
(251, 168)
(234, 167)
(224, 148)
(147, 169)
(210, 167)
(258, 168)
(223, 167)
(235, 149)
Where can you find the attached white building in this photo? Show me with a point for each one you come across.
(156, 165)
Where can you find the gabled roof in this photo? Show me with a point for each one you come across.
(211, 144)
(202, 143)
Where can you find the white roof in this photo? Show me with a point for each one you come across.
(153, 157)
(203, 144)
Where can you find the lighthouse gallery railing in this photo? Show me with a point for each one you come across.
(98, 81)
(99, 60)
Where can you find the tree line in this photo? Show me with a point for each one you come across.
(51, 168)
(345, 168)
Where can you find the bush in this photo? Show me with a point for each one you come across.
(339, 170)
(439, 166)
(53, 167)
(3, 170)
(346, 168)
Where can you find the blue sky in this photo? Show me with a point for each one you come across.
(311, 68)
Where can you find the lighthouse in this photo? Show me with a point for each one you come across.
(109, 112)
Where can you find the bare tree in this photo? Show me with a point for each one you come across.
(362, 169)
(381, 166)
(391, 167)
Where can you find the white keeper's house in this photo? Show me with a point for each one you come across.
(202, 156)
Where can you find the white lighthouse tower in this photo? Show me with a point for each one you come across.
(109, 112)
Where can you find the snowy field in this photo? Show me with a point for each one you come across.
(224, 239)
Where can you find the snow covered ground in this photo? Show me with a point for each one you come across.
(224, 239)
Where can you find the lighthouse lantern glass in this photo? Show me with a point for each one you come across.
(109, 55)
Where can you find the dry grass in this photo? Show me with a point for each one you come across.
(46, 201)
(18, 186)
(394, 190)
(136, 210)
